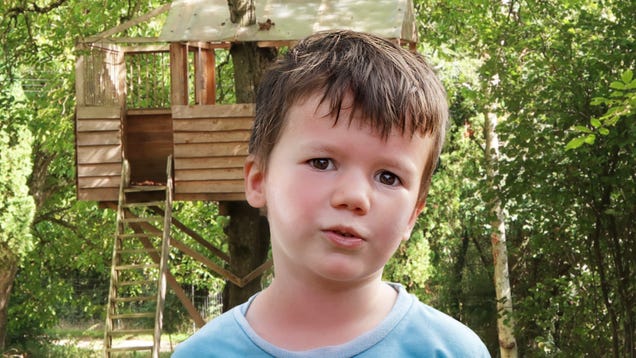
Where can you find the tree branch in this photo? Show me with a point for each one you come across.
(34, 8)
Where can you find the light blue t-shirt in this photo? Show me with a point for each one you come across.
(412, 329)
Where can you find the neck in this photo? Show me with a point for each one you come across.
(300, 315)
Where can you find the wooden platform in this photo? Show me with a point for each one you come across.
(208, 142)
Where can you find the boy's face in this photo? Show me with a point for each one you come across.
(339, 198)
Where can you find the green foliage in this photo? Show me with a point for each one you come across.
(73, 249)
(621, 102)
(203, 218)
(551, 67)
(410, 265)
(71, 240)
(16, 205)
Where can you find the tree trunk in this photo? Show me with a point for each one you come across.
(248, 232)
(505, 323)
(8, 270)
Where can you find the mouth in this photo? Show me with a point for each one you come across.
(344, 233)
(344, 238)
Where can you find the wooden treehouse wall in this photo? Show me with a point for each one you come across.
(100, 94)
(145, 103)
(210, 146)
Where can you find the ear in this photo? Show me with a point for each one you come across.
(254, 182)
(413, 218)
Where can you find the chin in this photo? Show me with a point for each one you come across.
(345, 272)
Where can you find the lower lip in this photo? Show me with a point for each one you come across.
(343, 242)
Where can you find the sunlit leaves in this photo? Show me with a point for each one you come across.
(620, 103)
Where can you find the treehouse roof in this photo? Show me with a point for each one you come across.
(288, 20)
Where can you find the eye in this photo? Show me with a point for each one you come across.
(388, 178)
(321, 163)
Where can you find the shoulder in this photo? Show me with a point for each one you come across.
(222, 336)
(425, 331)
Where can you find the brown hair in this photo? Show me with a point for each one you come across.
(391, 88)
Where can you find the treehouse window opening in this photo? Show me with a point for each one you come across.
(148, 80)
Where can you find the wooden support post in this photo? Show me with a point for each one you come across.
(178, 74)
(205, 83)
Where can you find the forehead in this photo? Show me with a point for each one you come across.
(344, 111)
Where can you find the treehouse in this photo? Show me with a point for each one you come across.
(148, 131)
(144, 99)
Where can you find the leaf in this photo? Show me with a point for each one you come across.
(590, 139)
(597, 101)
(603, 131)
(595, 122)
(583, 129)
(627, 76)
(617, 85)
(575, 143)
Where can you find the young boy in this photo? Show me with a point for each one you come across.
(347, 133)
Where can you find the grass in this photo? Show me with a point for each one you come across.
(72, 341)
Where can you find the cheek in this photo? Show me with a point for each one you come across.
(396, 221)
(291, 197)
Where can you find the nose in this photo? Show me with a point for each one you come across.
(352, 192)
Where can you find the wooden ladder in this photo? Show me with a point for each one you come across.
(139, 264)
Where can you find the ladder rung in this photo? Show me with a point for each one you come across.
(135, 283)
(135, 266)
(140, 188)
(131, 331)
(133, 315)
(142, 204)
(130, 236)
(134, 299)
(137, 251)
(131, 348)
(143, 219)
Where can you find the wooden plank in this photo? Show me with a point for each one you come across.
(211, 137)
(92, 125)
(101, 154)
(130, 23)
(196, 150)
(98, 138)
(99, 182)
(209, 163)
(92, 170)
(98, 112)
(148, 112)
(154, 48)
(228, 275)
(277, 44)
(208, 174)
(120, 76)
(209, 186)
(212, 124)
(98, 194)
(80, 72)
(126, 40)
(210, 197)
(198, 238)
(213, 111)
